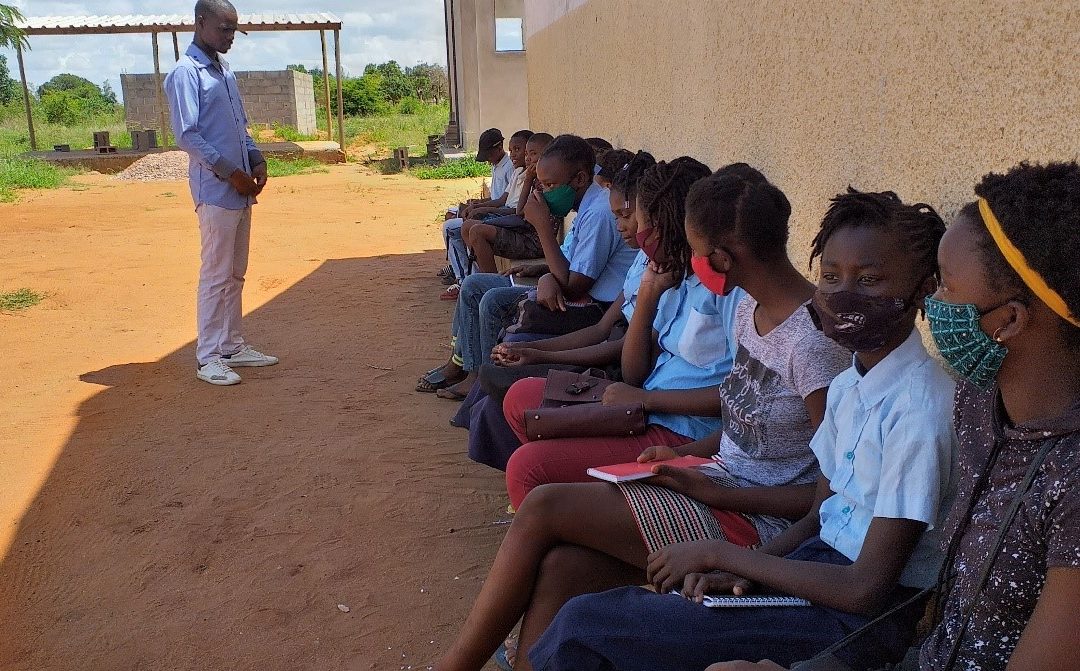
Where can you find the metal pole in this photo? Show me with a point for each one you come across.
(340, 102)
(160, 92)
(326, 87)
(176, 46)
(26, 97)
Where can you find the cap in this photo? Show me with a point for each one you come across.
(489, 139)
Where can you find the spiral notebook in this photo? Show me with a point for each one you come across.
(751, 601)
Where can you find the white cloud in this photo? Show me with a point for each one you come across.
(374, 31)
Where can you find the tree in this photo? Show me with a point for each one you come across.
(68, 98)
(107, 93)
(9, 88)
(395, 83)
(297, 67)
(360, 96)
(429, 82)
(10, 35)
(69, 82)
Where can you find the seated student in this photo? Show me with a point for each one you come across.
(610, 163)
(569, 539)
(885, 452)
(598, 144)
(590, 264)
(1007, 320)
(491, 441)
(490, 151)
(509, 235)
(780, 373)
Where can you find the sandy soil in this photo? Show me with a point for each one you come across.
(150, 521)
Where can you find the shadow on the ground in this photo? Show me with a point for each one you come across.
(191, 527)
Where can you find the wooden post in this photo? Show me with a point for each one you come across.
(26, 97)
(176, 46)
(160, 93)
(326, 87)
(340, 102)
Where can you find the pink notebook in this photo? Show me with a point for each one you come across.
(635, 471)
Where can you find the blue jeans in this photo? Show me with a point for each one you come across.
(485, 307)
(457, 253)
(633, 629)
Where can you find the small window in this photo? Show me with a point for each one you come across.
(509, 25)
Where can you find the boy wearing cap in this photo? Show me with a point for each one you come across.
(502, 171)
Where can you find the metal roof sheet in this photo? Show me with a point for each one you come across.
(165, 23)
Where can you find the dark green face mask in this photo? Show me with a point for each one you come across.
(560, 200)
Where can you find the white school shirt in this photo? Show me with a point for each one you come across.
(517, 183)
(887, 447)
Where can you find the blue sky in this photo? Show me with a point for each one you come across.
(373, 31)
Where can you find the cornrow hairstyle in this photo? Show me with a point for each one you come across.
(918, 225)
(627, 178)
(574, 151)
(1038, 207)
(599, 144)
(526, 134)
(737, 199)
(662, 192)
(611, 161)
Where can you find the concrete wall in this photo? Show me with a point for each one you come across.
(920, 97)
(491, 87)
(282, 97)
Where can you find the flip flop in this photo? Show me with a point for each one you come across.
(450, 394)
(502, 658)
(451, 293)
(435, 380)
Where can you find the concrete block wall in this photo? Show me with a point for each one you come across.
(270, 97)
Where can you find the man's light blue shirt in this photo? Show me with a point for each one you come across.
(501, 174)
(696, 333)
(594, 247)
(209, 123)
(887, 447)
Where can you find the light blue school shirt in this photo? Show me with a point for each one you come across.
(209, 123)
(887, 447)
(632, 283)
(594, 247)
(501, 175)
(696, 333)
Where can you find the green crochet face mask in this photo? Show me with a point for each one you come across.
(963, 344)
(560, 200)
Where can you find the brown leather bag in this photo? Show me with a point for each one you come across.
(572, 408)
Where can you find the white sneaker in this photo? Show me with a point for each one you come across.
(216, 371)
(249, 356)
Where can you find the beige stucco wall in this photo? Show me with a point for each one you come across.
(492, 86)
(920, 97)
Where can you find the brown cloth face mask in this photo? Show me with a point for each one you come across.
(858, 322)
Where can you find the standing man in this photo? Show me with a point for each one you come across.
(226, 172)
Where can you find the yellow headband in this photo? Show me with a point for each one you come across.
(1016, 259)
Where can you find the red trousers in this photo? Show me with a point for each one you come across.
(565, 459)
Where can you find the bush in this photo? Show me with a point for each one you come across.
(457, 169)
(19, 299)
(361, 96)
(290, 134)
(410, 105)
(21, 173)
(69, 108)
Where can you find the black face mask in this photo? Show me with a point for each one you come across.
(858, 322)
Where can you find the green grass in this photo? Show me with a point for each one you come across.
(15, 139)
(458, 169)
(19, 300)
(395, 130)
(277, 167)
(290, 134)
(21, 173)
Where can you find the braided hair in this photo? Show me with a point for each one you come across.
(918, 225)
(662, 193)
(1038, 207)
(611, 161)
(629, 174)
(737, 199)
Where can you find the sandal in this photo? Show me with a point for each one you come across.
(451, 394)
(505, 656)
(451, 293)
(435, 380)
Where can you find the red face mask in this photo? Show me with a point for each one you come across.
(647, 245)
(713, 281)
